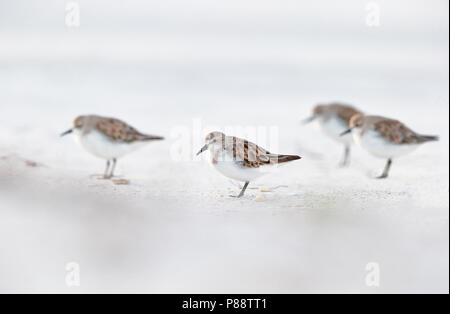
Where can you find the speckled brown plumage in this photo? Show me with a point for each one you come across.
(117, 130)
(343, 112)
(396, 132)
(114, 129)
(252, 155)
(346, 112)
(245, 151)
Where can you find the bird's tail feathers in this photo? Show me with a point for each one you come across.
(279, 159)
(428, 138)
(152, 138)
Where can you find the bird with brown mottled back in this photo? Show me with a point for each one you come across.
(108, 138)
(385, 138)
(333, 119)
(240, 159)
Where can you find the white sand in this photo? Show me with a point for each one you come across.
(174, 228)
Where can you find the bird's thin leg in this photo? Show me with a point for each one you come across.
(386, 170)
(113, 168)
(346, 160)
(243, 190)
(108, 163)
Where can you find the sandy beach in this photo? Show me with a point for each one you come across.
(179, 71)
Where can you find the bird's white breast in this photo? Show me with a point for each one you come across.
(333, 128)
(378, 146)
(101, 146)
(233, 169)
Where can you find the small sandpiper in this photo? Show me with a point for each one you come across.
(240, 159)
(108, 138)
(334, 119)
(385, 138)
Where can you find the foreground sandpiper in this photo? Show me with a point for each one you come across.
(334, 119)
(240, 159)
(108, 138)
(385, 138)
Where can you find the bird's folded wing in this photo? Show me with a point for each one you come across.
(396, 132)
(246, 152)
(346, 112)
(118, 130)
(277, 159)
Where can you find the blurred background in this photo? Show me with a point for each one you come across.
(161, 64)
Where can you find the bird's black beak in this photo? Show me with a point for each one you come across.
(67, 132)
(346, 132)
(308, 120)
(204, 148)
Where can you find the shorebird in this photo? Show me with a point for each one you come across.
(108, 138)
(385, 138)
(334, 119)
(240, 159)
